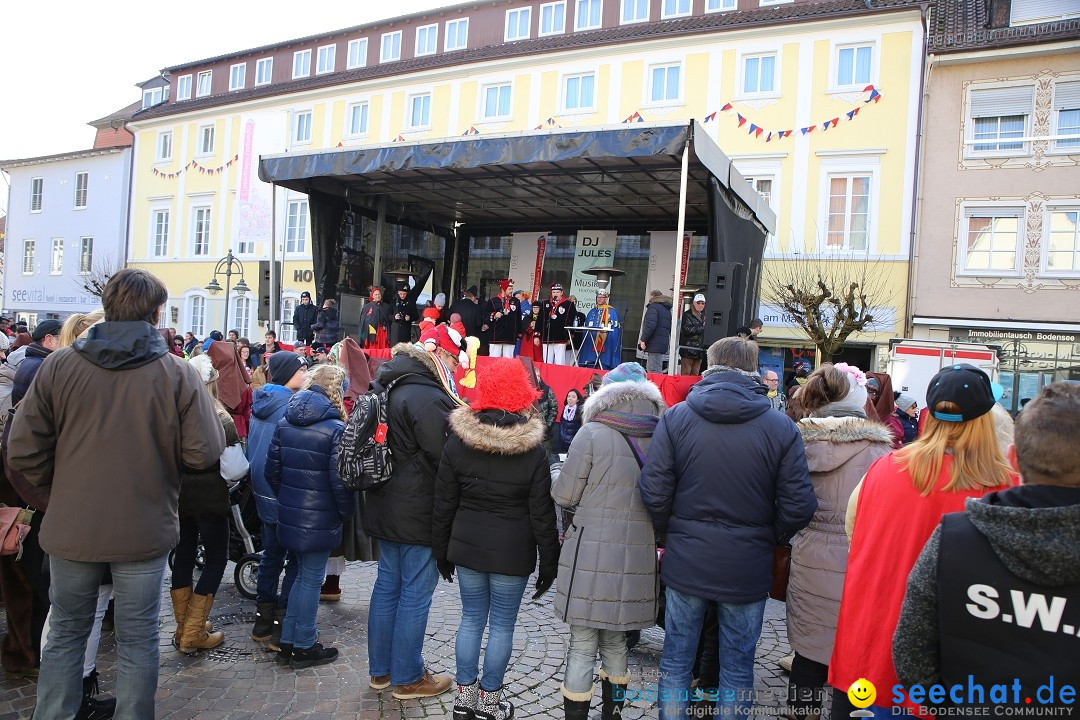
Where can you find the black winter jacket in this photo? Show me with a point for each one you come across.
(417, 415)
(35, 355)
(493, 506)
(326, 327)
(692, 335)
(656, 328)
(303, 318)
(726, 480)
(507, 328)
(204, 493)
(301, 469)
(401, 330)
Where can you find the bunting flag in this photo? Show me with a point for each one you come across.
(399, 138)
(193, 165)
(471, 131)
(873, 95)
(636, 117)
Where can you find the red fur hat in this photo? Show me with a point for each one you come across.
(504, 385)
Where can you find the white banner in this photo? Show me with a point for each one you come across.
(262, 133)
(527, 261)
(593, 249)
(662, 247)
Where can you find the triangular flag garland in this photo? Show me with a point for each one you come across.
(873, 96)
(196, 167)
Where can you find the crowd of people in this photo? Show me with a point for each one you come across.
(672, 516)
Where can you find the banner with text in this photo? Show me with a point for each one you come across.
(662, 247)
(593, 249)
(527, 261)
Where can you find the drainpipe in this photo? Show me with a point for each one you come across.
(130, 200)
(916, 202)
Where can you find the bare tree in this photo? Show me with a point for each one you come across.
(828, 297)
(94, 282)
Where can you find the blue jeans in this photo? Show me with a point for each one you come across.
(137, 603)
(398, 613)
(274, 558)
(485, 595)
(298, 629)
(740, 629)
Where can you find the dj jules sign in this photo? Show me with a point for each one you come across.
(594, 249)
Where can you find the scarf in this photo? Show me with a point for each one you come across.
(601, 338)
(444, 376)
(632, 424)
(569, 412)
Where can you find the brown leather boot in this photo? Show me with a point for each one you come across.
(180, 599)
(195, 636)
(427, 686)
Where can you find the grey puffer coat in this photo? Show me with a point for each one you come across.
(607, 570)
(839, 450)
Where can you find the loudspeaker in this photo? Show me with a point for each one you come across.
(264, 289)
(725, 281)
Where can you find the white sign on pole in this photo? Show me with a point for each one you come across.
(593, 249)
(527, 261)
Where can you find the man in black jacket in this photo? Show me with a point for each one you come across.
(46, 338)
(555, 315)
(399, 513)
(405, 314)
(504, 318)
(303, 318)
(472, 315)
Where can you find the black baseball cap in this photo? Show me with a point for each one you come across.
(964, 385)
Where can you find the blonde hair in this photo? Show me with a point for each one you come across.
(330, 378)
(77, 324)
(977, 459)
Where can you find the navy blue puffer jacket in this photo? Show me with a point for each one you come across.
(267, 409)
(302, 471)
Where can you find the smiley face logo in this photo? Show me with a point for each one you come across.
(862, 693)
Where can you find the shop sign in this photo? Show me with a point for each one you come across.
(775, 316)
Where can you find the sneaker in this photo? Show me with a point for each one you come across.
(427, 686)
(314, 655)
(97, 708)
(379, 682)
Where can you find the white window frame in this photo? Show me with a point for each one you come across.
(1049, 209)
(297, 135)
(286, 332)
(163, 148)
(241, 320)
(834, 69)
(356, 54)
(156, 95)
(201, 140)
(56, 256)
(449, 32)
(578, 25)
(564, 81)
(969, 131)
(848, 166)
(409, 100)
(624, 4)
(264, 71)
(37, 194)
(206, 237)
(395, 47)
(29, 256)
(766, 3)
(678, 99)
(183, 87)
(484, 117)
(741, 80)
(86, 259)
(753, 174)
(296, 233)
(85, 189)
(326, 59)
(301, 64)
(431, 47)
(365, 114)
(159, 241)
(849, 177)
(721, 6)
(665, 15)
(198, 330)
(540, 32)
(203, 89)
(982, 209)
(516, 14)
(237, 76)
(1043, 18)
(1055, 122)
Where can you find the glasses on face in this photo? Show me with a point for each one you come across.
(772, 380)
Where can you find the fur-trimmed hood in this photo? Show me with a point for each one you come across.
(411, 359)
(497, 431)
(660, 299)
(637, 397)
(832, 441)
(410, 350)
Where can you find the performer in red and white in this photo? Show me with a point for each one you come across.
(555, 315)
(504, 318)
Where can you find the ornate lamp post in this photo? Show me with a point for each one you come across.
(225, 267)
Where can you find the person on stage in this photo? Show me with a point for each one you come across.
(504, 319)
(601, 349)
(555, 314)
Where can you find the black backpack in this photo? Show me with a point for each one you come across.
(364, 460)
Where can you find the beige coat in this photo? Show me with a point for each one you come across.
(838, 452)
(607, 568)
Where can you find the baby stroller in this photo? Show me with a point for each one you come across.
(245, 539)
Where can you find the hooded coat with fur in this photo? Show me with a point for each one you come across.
(839, 450)
(607, 571)
(492, 509)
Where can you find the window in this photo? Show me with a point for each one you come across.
(579, 92)
(356, 119)
(296, 226)
(287, 333)
(1025, 12)
(849, 212)
(56, 261)
(200, 231)
(664, 83)
(853, 65)
(183, 87)
(164, 146)
(86, 255)
(264, 71)
(241, 319)
(764, 186)
(245, 246)
(718, 5)
(159, 228)
(553, 18)
(496, 102)
(990, 243)
(28, 257)
(758, 73)
(1067, 114)
(37, 186)
(517, 23)
(588, 15)
(357, 54)
(326, 61)
(197, 315)
(420, 111)
(154, 96)
(302, 127)
(206, 140)
(457, 34)
(1063, 248)
(237, 76)
(391, 47)
(634, 11)
(82, 182)
(675, 8)
(301, 64)
(427, 40)
(202, 88)
(999, 119)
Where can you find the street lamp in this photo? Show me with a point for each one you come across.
(225, 267)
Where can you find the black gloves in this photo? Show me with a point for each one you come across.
(544, 582)
(446, 569)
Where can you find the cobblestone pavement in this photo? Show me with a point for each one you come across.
(238, 681)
